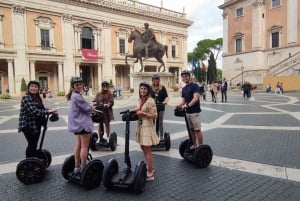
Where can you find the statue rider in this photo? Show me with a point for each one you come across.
(148, 36)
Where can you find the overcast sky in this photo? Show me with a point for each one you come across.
(207, 18)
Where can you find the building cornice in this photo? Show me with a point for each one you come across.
(133, 9)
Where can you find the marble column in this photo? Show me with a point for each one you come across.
(11, 81)
(100, 78)
(77, 70)
(32, 69)
(60, 77)
(1, 31)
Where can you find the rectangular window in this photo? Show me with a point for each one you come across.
(275, 39)
(173, 51)
(239, 12)
(275, 3)
(122, 46)
(45, 39)
(238, 45)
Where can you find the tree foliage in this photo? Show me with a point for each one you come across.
(23, 85)
(207, 49)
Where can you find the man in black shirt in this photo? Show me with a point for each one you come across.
(190, 102)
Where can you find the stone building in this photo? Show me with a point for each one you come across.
(53, 40)
(262, 42)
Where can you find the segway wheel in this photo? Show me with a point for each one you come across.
(93, 141)
(91, 175)
(202, 156)
(140, 177)
(183, 147)
(112, 141)
(30, 171)
(110, 169)
(167, 139)
(46, 157)
(68, 166)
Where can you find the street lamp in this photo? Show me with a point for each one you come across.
(238, 60)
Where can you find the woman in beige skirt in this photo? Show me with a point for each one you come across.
(145, 133)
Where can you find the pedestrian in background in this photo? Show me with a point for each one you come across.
(224, 90)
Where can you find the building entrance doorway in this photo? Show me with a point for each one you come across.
(85, 73)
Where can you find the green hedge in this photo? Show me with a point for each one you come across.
(23, 85)
(61, 93)
(5, 96)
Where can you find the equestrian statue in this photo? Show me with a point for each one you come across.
(145, 45)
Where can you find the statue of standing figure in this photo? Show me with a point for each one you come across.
(145, 45)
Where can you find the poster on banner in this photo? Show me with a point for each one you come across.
(89, 54)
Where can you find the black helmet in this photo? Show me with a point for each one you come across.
(54, 117)
(146, 24)
(33, 82)
(104, 83)
(185, 72)
(76, 79)
(145, 84)
(155, 76)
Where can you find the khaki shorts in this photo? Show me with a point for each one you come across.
(194, 121)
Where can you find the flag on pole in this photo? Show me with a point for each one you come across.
(198, 64)
(193, 63)
(203, 67)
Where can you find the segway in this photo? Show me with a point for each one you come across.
(32, 170)
(90, 177)
(200, 156)
(125, 179)
(164, 143)
(97, 117)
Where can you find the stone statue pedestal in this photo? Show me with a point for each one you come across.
(138, 77)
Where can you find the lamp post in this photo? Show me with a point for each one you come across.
(242, 74)
(206, 75)
(238, 60)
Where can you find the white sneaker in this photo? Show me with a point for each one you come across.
(150, 176)
(193, 147)
(76, 170)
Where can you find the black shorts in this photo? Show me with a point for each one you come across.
(83, 132)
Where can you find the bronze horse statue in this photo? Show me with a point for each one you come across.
(156, 50)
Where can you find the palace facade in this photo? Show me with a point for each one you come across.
(261, 42)
(53, 40)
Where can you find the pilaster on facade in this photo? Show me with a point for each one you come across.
(292, 24)
(258, 24)
(1, 30)
(18, 10)
(225, 32)
(67, 18)
(258, 3)
(19, 38)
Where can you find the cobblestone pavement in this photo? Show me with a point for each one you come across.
(256, 145)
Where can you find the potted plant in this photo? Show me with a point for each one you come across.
(23, 87)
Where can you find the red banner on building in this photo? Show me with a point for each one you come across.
(89, 54)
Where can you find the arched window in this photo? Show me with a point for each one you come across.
(87, 38)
